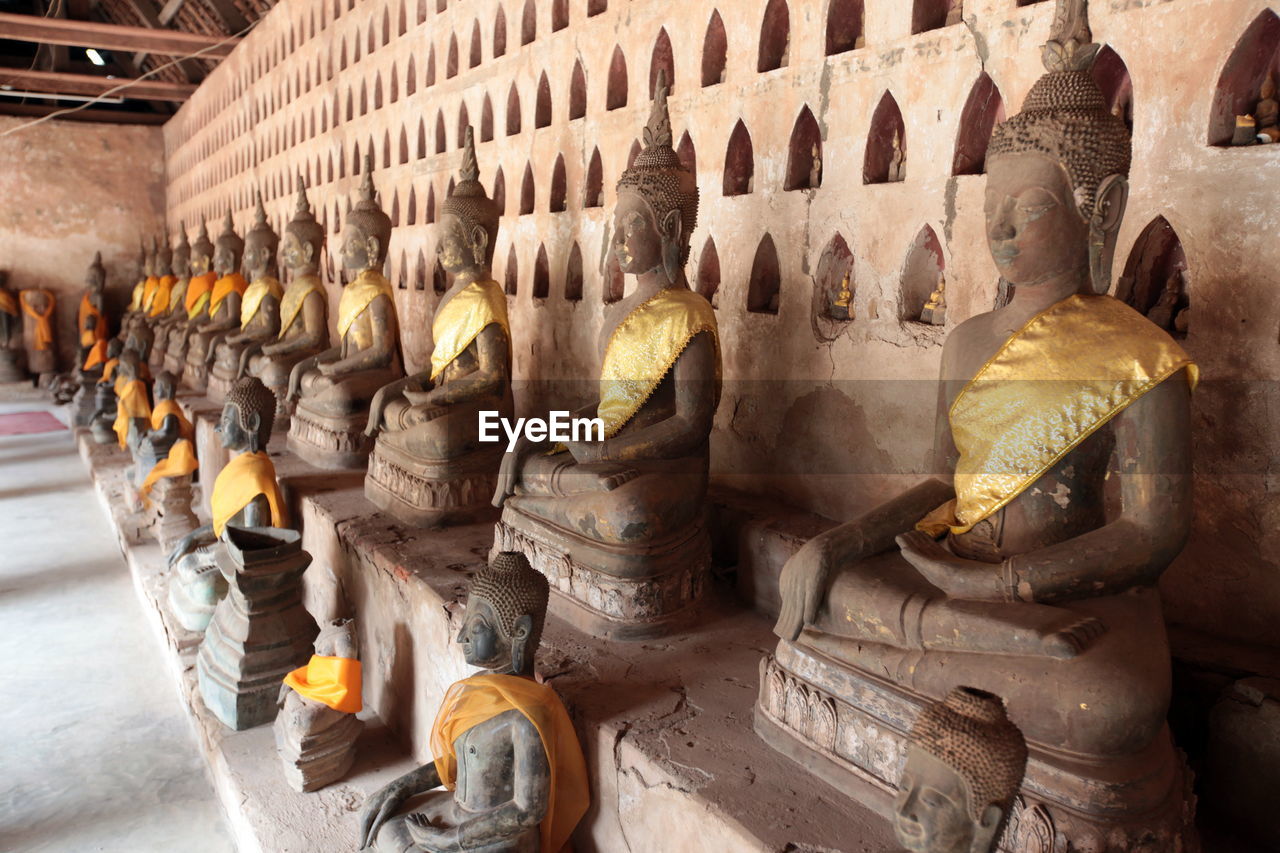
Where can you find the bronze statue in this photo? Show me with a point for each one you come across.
(91, 318)
(1039, 590)
(224, 306)
(429, 465)
(194, 310)
(164, 459)
(10, 329)
(504, 745)
(623, 515)
(172, 313)
(1266, 117)
(334, 388)
(935, 310)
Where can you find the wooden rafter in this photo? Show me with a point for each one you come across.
(85, 84)
(110, 116)
(40, 30)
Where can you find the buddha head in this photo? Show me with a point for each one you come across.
(337, 639)
(164, 386)
(114, 347)
(201, 251)
(130, 366)
(260, 244)
(303, 236)
(164, 256)
(657, 205)
(468, 219)
(182, 254)
(965, 761)
(95, 277)
(367, 230)
(247, 416)
(227, 249)
(149, 259)
(506, 610)
(1057, 173)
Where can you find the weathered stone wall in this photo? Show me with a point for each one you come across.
(830, 416)
(70, 189)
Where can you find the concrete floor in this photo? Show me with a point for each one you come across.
(96, 753)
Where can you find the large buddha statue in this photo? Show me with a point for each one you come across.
(428, 465)
(1027, 567)
(505, 748)
(259, 306)
(334, 388)
(165, 317)
(224, 306)
(194, 310)
(304, 309)
(622, 516)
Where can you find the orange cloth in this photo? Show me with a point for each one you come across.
(98, 355)
(330, 681)
(149, 293)
(480, 698)
(198, 286)
(131, 402)
(223, 288)
(8, 304)
(244, 478)
(44, 326)
(180, 462)
(99, 331)
(168, 407)
(163, 292)
(108, 369)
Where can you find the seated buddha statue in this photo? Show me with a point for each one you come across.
(166, 426)
(506, 751)
(102, 396)
(245, 494)
(335, 387)
(10, 330)
(304, 309)
(157, 305)
(259, 306)
(132, 400)
(428, 465)
(224, 306)
(624, 515)
(194, 309)
(92, 329)
(1266, 117)
(165, 317)
(1028, 567)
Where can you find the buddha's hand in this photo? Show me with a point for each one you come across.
(378, 809)
(956, 576)
(802, 585)
(435, 839)
(184, 546)
(509, 470)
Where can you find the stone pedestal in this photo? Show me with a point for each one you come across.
(325, 441)
(260, 632)
(171, 500)
(84, 403)
(429, 493)
(11, 366)
(317, 744)
(219, 383)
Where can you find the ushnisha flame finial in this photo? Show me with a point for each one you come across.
(366, 182)
(658, 131)
(470, 169)
(1070, 46)
(259, 212)
(303, 205)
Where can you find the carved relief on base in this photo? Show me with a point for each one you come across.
(196, 376)
(329, 442)
(218, 385)
(172, 518)
(424, 493)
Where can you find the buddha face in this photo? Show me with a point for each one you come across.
(224, 259)
(200, 262)
(460, 248)
(1034, 228)
(181, 263)
(233, 431)
(298, 253)
(637, 243)
(482, 642)
(258, 255)
(359, 250)
(93, 279)
(931, 810)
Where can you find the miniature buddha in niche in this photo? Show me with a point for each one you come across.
(898, 160)
(259, 305)
(224, 306)
(842, 307)
(195, 303)
(505, 747)
(1039, 590)
(428, 465)
(172, 312)
(304, 310)
(624, 514)
(1267, 116)
(334, 388)
(935, 310)
(1171, 302)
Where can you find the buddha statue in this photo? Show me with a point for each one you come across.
(935, 309)
(150, 283)
(334, 388)
(842, 307)
(166, 427)
(10, 331)
(133, 404)
(505, 748)
(194, 310)
(1266, 117)
(259, 306)
(429, 465)
(898, 160)
(102, 412)
(157, 306)
(622, 516)
(142, 271)
(245, 494)
(164, 460)
(1170, 302)
(171, 313)
(38, 306)
(224, 306)
(304, 309)
(91, 318)
(1039, 590)
(965, 762)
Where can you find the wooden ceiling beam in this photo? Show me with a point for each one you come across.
(40, 30)
(62, 83)
(90, 114)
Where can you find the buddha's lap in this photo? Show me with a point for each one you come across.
(340, 396)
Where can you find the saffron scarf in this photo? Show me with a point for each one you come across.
(163, 293)
(99, 331)
(331, 681)
(180, 462)
(223, 289)
(462, 318)
(244, 478)
(44, 325)
(295, 295)
(197, 297)
(253, 296)
(164, 409)
(357, 295)
(131, 402)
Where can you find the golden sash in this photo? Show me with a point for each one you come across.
(44, 325)
(99, 330)
(480, 698)
(644, 347)
(357, 295)
(131, 402)
(197, 296)
(331, 681)
(148, 293)
(8, 304)
(178, 295)
(223, 289)
(1056, 381)
(251, 299)
(135, 302)
(295, 295)
(163, 293)
(164, 409)
(180, 462)
(462, 318)
(244, 478)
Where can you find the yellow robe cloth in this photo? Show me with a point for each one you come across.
(199, 288)
(8, 304)
(244, 478)
(1055, 382)
(331, 681)
(160, 298)
(251, 299)
(462, 318)
(222, 289)
(357, 295)
(149, 293)
(44, 323)
(164, 409)
(644, 347)
(295, 295)
(108, 370)
(480, 698)
(131, 402)
(180, 462)
(88, 337)
(135, 302)
(178, 295)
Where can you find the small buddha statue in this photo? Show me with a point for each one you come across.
(815, 168)
(505, 748)
(623, 515)
(10, 330)
(158, 304)
(935, 309)
(194, 309)
(38, 305)
(133, 403)
(101, 396)
(334, 388)
(1010, 572)
(150, 283)
(429, 464)
(1266, 117)
(91, 318)
(304, 309)
(842, 307)
(259, 305)
(245, 494)
(166, 426)
(171, 314)
(898, 160)
(964, 766)
(224, 306)
(164, 460)
(142, 272)
(1170, 302)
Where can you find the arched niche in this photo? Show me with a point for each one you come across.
(451, 62)
(886, 156)
(573, 275)
(983, 110)
(429, 75)
(934, 14)
(486, 119)
(464, 122)
(377, 93)
(411, 209)
(442, 139)
(715, 51)
(688, 154)
(393, 81)
(616, 89)
(614, 281)
(513, 111)
(633, 153)
(420, 272)
(1155, 280)
(1239, 89)
(430, 216)
(511, 276)
(775, 36)
(707, 282)
(833, 289)
(541, 274)
(662, 60)
(410, 78)
(386, 149)
(542, 104)
(477, 50)
(556, 198)
(439, 279)
(804, 153)
(577, 92)
(422, 139)
(845, 20)
(500, 192)
(765, 286)
(739, 162)
(921, 274)
(597, 7)
(499, 33)
(526, 190)
(404, 146)
(559, 15)
(1112, 77)
(593, 194)
(395, 209)
(529, 23)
